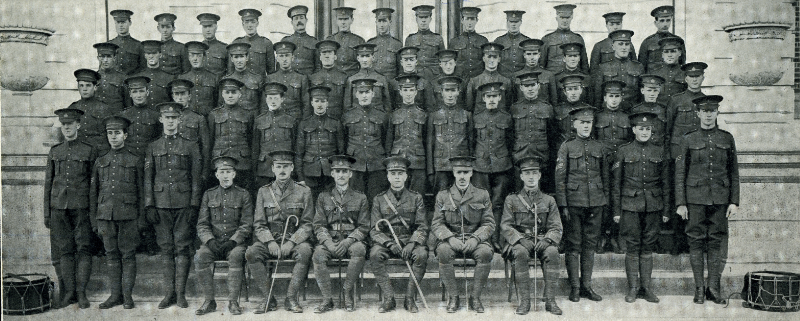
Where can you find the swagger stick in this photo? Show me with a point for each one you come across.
(396, 240)
(535, 252)
(283, 237)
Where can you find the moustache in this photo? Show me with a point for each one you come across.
(300, 24)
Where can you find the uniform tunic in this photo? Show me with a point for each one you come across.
(204, 94)
(158, 86)
(260, 56)
(111, 89)
(659, 136)
(336, 80)
(474, 97)
(548, 87)
(296, 98)
(552, 57)
(602, 52)
(406, 215)
(318, 137)
(305, 54)
(216, 60)
(174, 57)
(231, 130)
(449, 135)
(493, 132)
(513, 57)
(341, 215)
(144, 129)
(381, 100)
(534, 128)
(470, 54)
(625, 70)
(365, 137)
(225, 214)
(194, 127)
(346, 55)
(251, 99)
(130, 55)
(681, 116)
(272, 130)
(92, 130)
(650, 50)
(385, 60)
(429, 43)
(407, 133)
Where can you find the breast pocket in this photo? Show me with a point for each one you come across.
(475, 212)
(190, 130)
(606, 55)
(576, 161)
(215, 209)
(654, 165)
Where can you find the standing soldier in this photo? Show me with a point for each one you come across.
(382, 98)
(491, 60)
(319, 136)
(274, 129)
(346, 54)
(204, 92)
(449, 134)
(428, 42)
(640, 192)
(230, 127)
(158, 78)
(512, 59)
(531, 224)
(115, 207)
(405, 211)
(275, 204)
(602, 51)
(143, 116)
(305, 55)
(341, 225)
(66, 209)
(192, 126)
(573, 88)
(91, 129)
(707, 195)
(552, 54)
(295, 97)
(670, 69)
(386, 45)
(651, 88)
(620, 68)
(250, 99)
(407, 132)
(110, 88)
(548, 88)
(533, 125)
(572, 63)
(216, 57)
(463, 223)
(330, 76)
(448, 68)
(582, 188)
(224, 226)
(260, 59)
(469, 44)
(426, 97)
(650, 50)
(174, 58)
(130, 53)
(172, 185)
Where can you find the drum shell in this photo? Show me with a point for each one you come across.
(25, 294)
(772, 291)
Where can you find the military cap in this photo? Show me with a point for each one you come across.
(531, 44)
(694, 69)
(196, 47)
(116, 122)
(621, 35)
(249, 13)
(565, 10)
(284, 47)
(529, 163)
(121, 15)
(383, 13)
(571, 48)
(613, 86)
(409, 51)
(170, 108)
(68, 115)
(529, 78)
(297, 11)
(180, 85)
(86, 75)
(274, 88)
(447, 55)
(670, 43)
(710, 102)
(584, 113)
(230, 83)
(365, 48)
(642, 118)
(151, 46)
(341, 161)
(363, 84)
(613, 16)
(470, 12)
(663, 11)
(344, 11)
(282, 156)
(239, 48)
(491, 88)
(650, 80)
(396, 163)
(514, 15)
(319, 91)
(492, 48)
(423, 10)
(572, 79)
(462, 161)
(207, 18)
(224, 162)
(137, 82)
(164, 18)
(106, 48)
(407, 80)
(449, 82)
(327, 45)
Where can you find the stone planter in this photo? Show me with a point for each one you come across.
(22, 52)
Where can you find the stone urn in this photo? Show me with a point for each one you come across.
(757, 33)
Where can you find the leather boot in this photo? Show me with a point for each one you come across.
(205, 280)
(299, 273)
(168, 264)
(128, 281)
(550, 278)
(615, 245)
(325, 306)
(387, 305)
(68, 273)
(182, 265)
(713, 292)
(60, 287)
(571, 260)
(632, 274)
(82, 278)
(323, 277)
(697, 262)
(382, 279)
(259, 272)
(410, 302)
(235, 277)
(646, 273)
(114, 284)
(448, 275)
(481, 277)
(354, 269)
(522, 276)
(587, 265)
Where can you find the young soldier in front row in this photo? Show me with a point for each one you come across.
(319, 136)
(275, 202)
(224, 227)
(407, 132)
(534, 125)
(640, 192)
(582, 193)
(341, 224)
(463, 223)
(405, 211)
(531, 223)
(274, 129)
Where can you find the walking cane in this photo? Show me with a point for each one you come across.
(413, 277)
(283, 237)
(464, 256)
(535, 252)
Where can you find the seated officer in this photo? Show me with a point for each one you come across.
(274, 204)
(463, 223)
(405, 210)
(531, 223)
(341, 224)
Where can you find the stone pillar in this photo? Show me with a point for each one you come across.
(453, 18)
(325, 21)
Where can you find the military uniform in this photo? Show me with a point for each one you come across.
(260, 57)
(612, 127)
(512, 59)
(426, 92)
(469, 46)
(552, 53)
(253, 82)
(305, 55)
(216, 58)
(382, 99)
(159, 79)
(407, 137)
(193, 126)
(387, 47)
(474, 97)
(346, 54)
(660, 135)
(272, 130)
(231, 132)
(318, 137)
(562, 111)
(130, 55)
(681, 112)
(675, 80)
(650, 50)
(586, 97)
(92, 130)
(144, 128)
(174, 58)
(110, 89)
(548, 87)
(332, 78)
(204, 93)
(429, 43)
(602, 51)
(296, 99)
(534, 128)
(449, 135)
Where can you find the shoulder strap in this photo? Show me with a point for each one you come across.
(341, 210)
(275, 199)
(394, 210)
(528, 206)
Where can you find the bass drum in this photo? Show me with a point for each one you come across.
(27, 293)
(771, 291)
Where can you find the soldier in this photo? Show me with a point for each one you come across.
(620, 68)
(602, 51)
(582, 189)
(130, 53)
(531, 224)
(365, 130)
(159, 79)
(469, 44)
(346, 54)
(341, 225)
(305, 55)
(512, 59)
(274, 204)
(382, 98)
(260, 59)
(110, 88)
(552, 55)
(115, 206)
(449, 134)
(428, 42)
(670, 69)
(216, 56)
(448, 68)
(651, 88)
(204, 93)
(405, 211)
(251, 98)
(491, 59)
(224, 226)
(572, 62)
(640, 192)
(274, 129)
(144, 125)
(172, 185)
(319, 136)
(426, 97)
(230, 127)
(573, 87)
(650, 50)
(174, 58)
(295, 97)
(463, 223)
(386, 45)
(681, 112)
(407, 132)
(534, 126)
(330, 76)
(91, 129)
(548, 88)
(192, 126)
(66, 209)
(707, 195)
